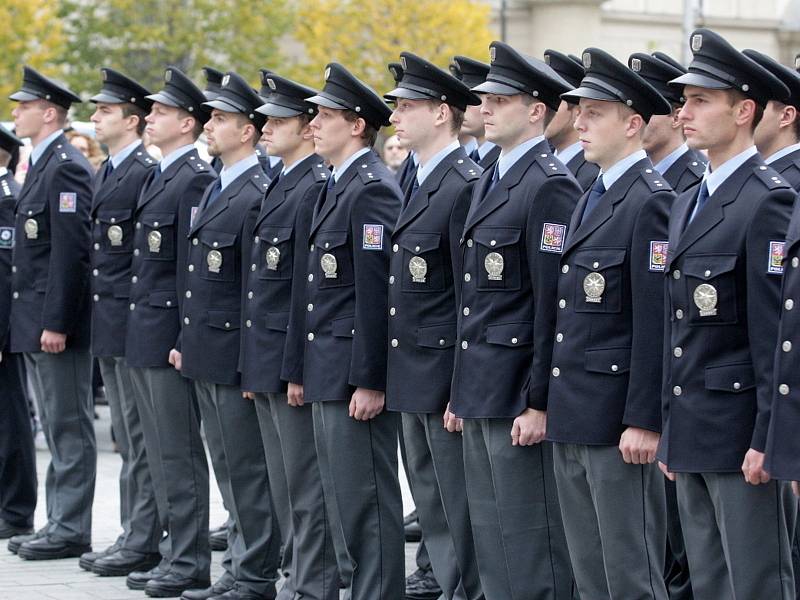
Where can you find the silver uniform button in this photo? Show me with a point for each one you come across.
(256, 239)
(707, 273)
(467, 277)
(391, 279)
(464, 345)
(441, 342)
(395, 248)
(595, 265)
(97, 246)
(614, 368)
(565, 269)
(514, 340)
(16, 295)
(678, 352)
(395, 343)
(559, 337)
(783, 389)
(310, 277)
(250, 295)
(556, 371)
(796, 262)
(789, 304)
(195, 241)
(14, 269)
(138, 225)
(96, 298)
(253, 267)
(466, 311)
(185, 320)
(188, 293)
(169, 303)
(679, 314)
(190, 268)
(676, 274)
(135, 251)
(562, 303)
(787, 346)
(132, 306)
(248, 323)
(310, 337)
(310, 307)
(95, 272)
(737, 385)
(393, 311)
(469, 243)
(677, 391)
(134, 279)
(227, 325)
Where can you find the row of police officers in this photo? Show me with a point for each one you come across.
(581, 330)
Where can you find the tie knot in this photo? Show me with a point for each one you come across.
(331, 182)
(599, 187)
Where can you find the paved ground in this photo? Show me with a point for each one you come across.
(63, 579)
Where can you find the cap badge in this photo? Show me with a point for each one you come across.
(636, 65)
(403, 62)
(587, 60)
(395, 72)
(168, 75)
(797, 62)
(697, 42)
(492, 54)
(226, 80)
(105, 75)
(327, 73)
(547, 58)
(271, 84)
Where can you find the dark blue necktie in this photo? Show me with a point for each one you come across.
(597, 191)
(108, 168)
(409, 198)
(216, 190)
(493, 183)
(475, 156)
(702, 198)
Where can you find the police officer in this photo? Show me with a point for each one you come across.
(513, 237)
(344, 363)
(560, 131)
(603, 404)
(211, 91)
(279, 255)
(724, 266)
(430, 106)
(17, 457)
(777, 135)
(482, 151)
(170, 421)
(207, 352)
(271, 165)
(122, 106)
(663, 138)
(50, 312)
(405, 179)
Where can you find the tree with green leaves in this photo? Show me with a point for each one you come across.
(141, 37)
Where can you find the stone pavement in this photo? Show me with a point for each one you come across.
(63, 579)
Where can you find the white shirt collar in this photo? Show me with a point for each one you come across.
(120, 156)
(229, 174)
(782, 152)
(508, 160)
(568, 153)
(665, 163)
(39, 149)
(611, 176)
(273, 160)
(485, 148)
(471, 145)
(286, 169)
(175, 155)
(339, 171)
(424, 170)
(716, 178)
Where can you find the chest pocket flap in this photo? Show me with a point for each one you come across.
(510, 334)
(710, 266)
(33, 208)
(420, 242)
(156, 220)
(274, 235)
(497, 237)
(114, 216)
(600, 258)
(217, 239)
(327, 240)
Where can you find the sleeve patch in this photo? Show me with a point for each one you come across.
(658, 255)
(6, 238)
(776, 250)
(553, 237)
(373, 237)
(67, 202)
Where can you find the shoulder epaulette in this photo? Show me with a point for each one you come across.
(61, 153)
(197, 163)
(654, 180)
(320, 172)
(260, 181)
(5, 188)
(550, 164)
(467, 168)
(145, 159)
(367, 173)
(696, 167)
(771, 178)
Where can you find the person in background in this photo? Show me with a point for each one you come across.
(393, 153)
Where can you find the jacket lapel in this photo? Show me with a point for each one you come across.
(431, 184)
(105, 189)
(329, 199)
(154, 188)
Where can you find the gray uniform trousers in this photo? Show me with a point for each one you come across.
(436, 472)
(358, 467)
(141, 531)
(61, 384)
(178, 467)
(615, 520)
(738, 536)
(230, 423)
(516, 520)
(278, 486)
(287, 432)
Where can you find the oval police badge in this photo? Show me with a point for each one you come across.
(418, 267)
(273, 258)
(705, 298)
(31, 229)
(594, 284)
(214, 261)
(154, 241)
(329, 266)
(494, 265)
(115, 235)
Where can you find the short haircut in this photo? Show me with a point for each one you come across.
(735, 96)
(131, 110)
(197, 131)
(458, 115)
(370, 133)
(244, 121)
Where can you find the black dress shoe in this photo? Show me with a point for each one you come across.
(16, 541)
(49, 548)
(123, 562)
(218, 539)
(239, 593)
(412, 531)
(172, 585)
(422, 585)
(137, 580)
(87, 559)
(217, 589)
(9, 530)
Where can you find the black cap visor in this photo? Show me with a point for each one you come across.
(277, 111)
(495, 87)
(106, 98)
(326, 100)
(703, 81)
